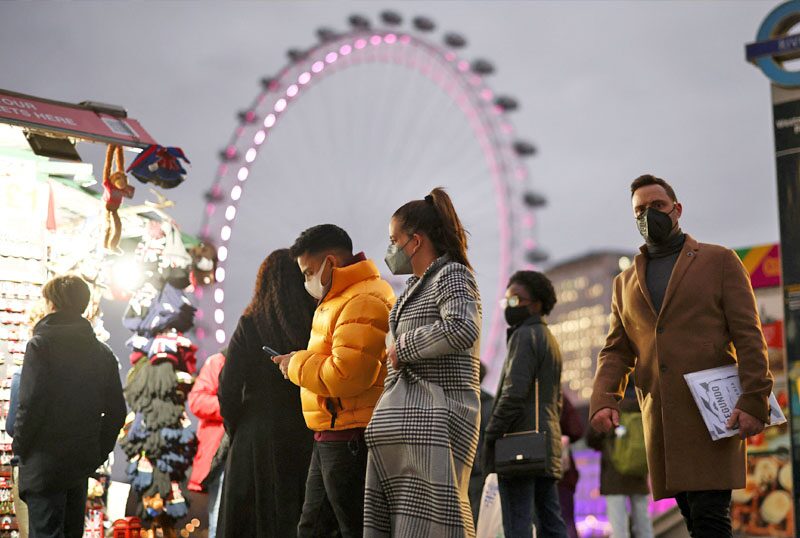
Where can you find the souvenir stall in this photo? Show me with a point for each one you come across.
(58, 221)
(765, 506)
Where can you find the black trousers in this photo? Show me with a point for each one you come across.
(57, 514)
(707, 513)
(334, 498)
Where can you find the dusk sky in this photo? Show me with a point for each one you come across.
(608, 91)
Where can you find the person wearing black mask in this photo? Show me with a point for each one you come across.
(683, 307)
(533, 355)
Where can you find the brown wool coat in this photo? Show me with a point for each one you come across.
(708, 319)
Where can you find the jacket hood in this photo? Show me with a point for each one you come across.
(64, 325)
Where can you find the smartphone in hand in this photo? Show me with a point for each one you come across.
(269, 351)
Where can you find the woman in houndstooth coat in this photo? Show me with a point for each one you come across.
(424, 431)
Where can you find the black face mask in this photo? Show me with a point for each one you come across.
(654, 225)
(516, 315)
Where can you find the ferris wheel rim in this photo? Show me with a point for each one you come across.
(496, 154)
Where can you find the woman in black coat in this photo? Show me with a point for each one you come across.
(265, 474)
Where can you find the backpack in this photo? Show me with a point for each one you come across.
(628, 455)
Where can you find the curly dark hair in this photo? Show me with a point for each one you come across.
(539, 286)
(322, 237)
(281, 308)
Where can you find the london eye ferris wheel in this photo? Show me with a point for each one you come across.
(348, 130)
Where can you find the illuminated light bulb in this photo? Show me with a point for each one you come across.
(360, 44)
(375, 40)
(292, 90)
(317, 67)
(230, 212)
(236, 193)
(219, 315)
(259, 138)
(331, 57)
(127, 274)
(225, 233)
(280, 105)
(304, 78)
(243, 173)
(345, 50)
(220, 334)
(390, 39)
(269, 121)
(222, 254)
(250, 156)
(219, 295)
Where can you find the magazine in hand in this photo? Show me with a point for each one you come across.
(716, 392)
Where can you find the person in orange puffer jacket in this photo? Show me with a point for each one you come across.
(204, 403)
(340, 375)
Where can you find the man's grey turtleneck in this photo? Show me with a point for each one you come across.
(661, 259)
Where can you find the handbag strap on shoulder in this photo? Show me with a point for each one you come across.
(536, 389)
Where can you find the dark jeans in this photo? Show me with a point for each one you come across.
(335, 490)
(57, 514)
(520, 496)
(707, 513)
(566, 498)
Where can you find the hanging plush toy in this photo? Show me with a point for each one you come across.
(115, 188)
(160, 166)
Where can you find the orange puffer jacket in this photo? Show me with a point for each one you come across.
(341, 373)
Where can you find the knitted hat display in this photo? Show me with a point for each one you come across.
(177, 507)
(160, 166)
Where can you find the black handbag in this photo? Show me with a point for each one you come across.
(522, 453)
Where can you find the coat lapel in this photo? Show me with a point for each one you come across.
(414, 287)
(685, 259)
(640, 262)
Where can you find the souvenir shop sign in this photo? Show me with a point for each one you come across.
(72, 120)
(763, 263)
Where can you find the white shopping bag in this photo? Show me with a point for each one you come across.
(490, 517)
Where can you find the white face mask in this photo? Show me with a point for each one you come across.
(314, 285)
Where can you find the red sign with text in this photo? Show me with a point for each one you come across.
(71, 120)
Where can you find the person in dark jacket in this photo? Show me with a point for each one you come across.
(572, 430)
(71, 409)
(20, 508)
(533, 355)
(619, 489)
(476, 479)
(265, 475)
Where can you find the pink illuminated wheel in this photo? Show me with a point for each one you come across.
(347, 132)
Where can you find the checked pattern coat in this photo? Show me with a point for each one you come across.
(423, 434)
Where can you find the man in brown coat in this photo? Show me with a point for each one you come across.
(682, 307)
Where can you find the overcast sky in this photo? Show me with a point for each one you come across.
(608, 91)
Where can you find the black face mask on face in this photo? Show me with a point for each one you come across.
(516, 315)
(654, 225)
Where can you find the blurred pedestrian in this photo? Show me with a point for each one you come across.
(572, 431)
(533, 357)
(621, 489)
(340, 373)
(424, 433)
(264, 483)
(71, 409)
(204, 403)
(683, 307)
(476, 477)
